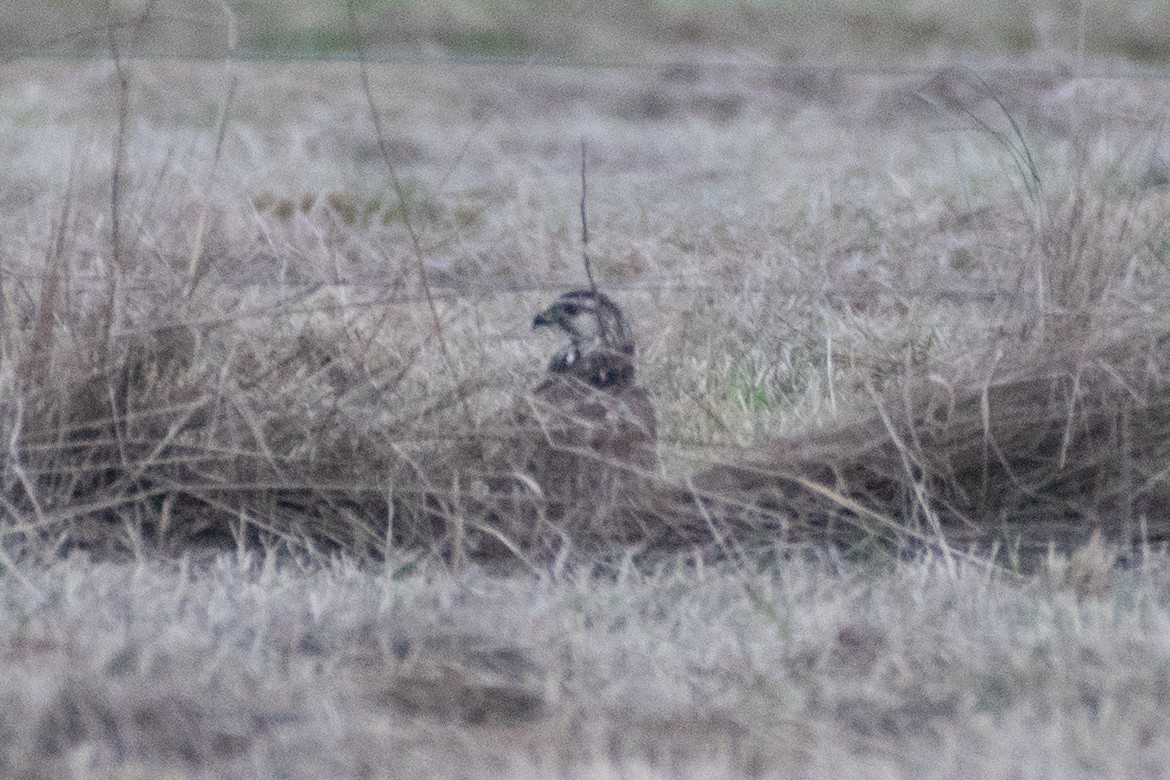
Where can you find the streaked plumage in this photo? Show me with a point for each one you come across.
(585, 437)
(591, 383)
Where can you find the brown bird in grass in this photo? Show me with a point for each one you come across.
(585, 438)
(592, 386)
(567, 460)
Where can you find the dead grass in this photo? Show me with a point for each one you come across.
(239, 666)
(928, 341)
(244, 362)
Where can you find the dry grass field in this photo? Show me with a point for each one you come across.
(905, 330)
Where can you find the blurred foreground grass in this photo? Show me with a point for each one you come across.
(243, 666)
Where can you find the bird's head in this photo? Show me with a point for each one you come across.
(600, 348)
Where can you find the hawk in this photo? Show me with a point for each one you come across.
(591, 389)
(566, 461)
(581, 444)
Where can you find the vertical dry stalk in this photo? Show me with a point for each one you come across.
(459, 521)
(3, 314)
(118, 258)
(407, 221)
(585, 222)
(388, 540)
(194, 272)
(109, 316)
(35, 366)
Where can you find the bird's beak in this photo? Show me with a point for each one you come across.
(546, 318)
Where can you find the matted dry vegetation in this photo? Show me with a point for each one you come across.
(908, 321)
(200, 349)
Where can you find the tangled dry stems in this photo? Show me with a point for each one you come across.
(168, 441)
(132, 418)
(183, 431)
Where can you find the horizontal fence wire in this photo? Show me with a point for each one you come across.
(1124, 72)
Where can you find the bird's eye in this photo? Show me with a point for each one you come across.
(571, 309)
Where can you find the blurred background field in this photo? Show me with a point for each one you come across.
(879, 34)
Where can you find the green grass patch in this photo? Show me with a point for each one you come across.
(501, 42)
